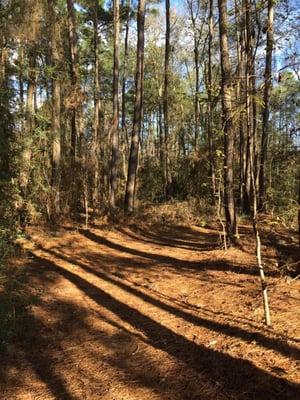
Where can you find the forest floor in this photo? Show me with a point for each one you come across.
(155, 311)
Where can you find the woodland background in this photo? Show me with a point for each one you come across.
(68, 100)
(185, 111)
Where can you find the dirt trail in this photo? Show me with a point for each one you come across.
(151, 313)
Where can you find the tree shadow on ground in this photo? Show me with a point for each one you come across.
(23, 350)
(217, 265)
(169, 236)
(278, 345)
(235, 376)
(201, 373)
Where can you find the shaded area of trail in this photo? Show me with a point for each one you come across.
(123, 316)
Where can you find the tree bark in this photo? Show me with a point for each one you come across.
(167, 173)
(75, 112)
(210, 104)
(247, 193)
(74, 74)
(115, 133)
(228, 129)
(21, 82)
(138, 111)
(97, 108)
(123, 119)
(29, 122)
(56, 113)
(264, 286)
(266, 110)
(197, 84)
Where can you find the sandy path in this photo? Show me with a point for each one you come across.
(153, 313)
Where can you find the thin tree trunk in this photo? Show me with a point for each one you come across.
(210, 104)
(56, 113)
(167, 174)
(239, 90)
(75, 111)
(196, 38)
(123, 119)
(264, 286)
(299, 206)
(73, 73)
(97, 108)
(21, 83)
(7, 133)
(161, 137)
(138, 111)
(243, 124)
(197, 84)
(29, 122)
(249, 109)
(228, 128)
(115, 133)
(266, 110)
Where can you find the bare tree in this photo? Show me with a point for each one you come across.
(194, 8)
(210, 102)
(264, 286)
(73, 73)
(128, 5)
(56, 110)
(138, 111)
(266, 110)
(97, 109)
(167, 172)
(29, 120)
(226, 89)
(115, 134)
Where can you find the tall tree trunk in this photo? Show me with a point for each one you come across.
(21, 83)
(241, 88)
(266, 110)
(73, 73)
(249, 101)
(226, 89)
(197, 84)
(167, 173)
(56, 112)
(123, 119)
(97, 108)
(7, 133)
(75, 112)
(29, 122)
(299, 206)
(138, 111)
(161, 137)
(210, 104)
(264, 286)
(252, 82)
(115, 133)
(125, 140)
(194, 14)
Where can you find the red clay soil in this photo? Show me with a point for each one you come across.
(152, 312)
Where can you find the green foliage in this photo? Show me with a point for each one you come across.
(151, 183)
(15, 303)
(284, 148)
(12, 302)
(8, 187)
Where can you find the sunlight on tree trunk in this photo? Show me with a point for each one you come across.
(229, 202)
(138, 112)
(266, 110)
(115, 123)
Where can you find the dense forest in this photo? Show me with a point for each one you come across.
(146, 147)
